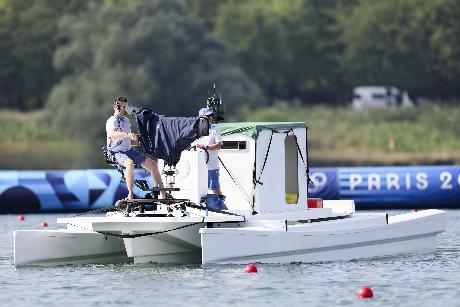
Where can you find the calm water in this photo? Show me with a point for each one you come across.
(418, 280)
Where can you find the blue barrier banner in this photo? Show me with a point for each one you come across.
(62, 191)
(401, 187)
(324, 183)
(370, 187)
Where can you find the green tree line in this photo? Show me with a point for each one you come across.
(78, 55)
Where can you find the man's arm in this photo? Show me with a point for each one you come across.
(215, 146)
(121, 135)
(212, 147)
(217, 139)
(217, 143)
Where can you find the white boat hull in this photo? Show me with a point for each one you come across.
(178, 240)
(340, 240)
(178, 246)
(56, 247)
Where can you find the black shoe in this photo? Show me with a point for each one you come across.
(120, 204)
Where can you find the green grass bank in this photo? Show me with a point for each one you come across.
(27, 142)
(338, 136)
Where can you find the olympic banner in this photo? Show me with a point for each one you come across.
(370, 188)
(324, 183)
(62, 191)
(401, 187)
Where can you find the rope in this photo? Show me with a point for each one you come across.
(214, 210)
(123, 236)
(305, 165)
(257, 181)
(138, 235)
(238, 185)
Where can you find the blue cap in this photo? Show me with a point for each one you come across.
(206, 112)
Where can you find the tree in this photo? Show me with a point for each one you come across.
(150, 51)
(288, 47)
(411, 44)
(28, 39)
(9, 76)
(206, 10)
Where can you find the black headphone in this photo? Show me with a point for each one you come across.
(116, 105)
(117, 102)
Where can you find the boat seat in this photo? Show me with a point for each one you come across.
(140, 183)
(110, 160)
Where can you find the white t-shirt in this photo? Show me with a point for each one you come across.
(119, 123)
(213, 138)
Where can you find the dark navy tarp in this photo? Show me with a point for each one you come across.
(165, 137)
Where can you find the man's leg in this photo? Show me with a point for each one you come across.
(213, 181)
(152, 166)
(214, 186)
(129, 176)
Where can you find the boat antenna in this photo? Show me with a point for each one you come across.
(215, 103)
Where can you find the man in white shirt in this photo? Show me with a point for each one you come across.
(119, 138)
(212, 143)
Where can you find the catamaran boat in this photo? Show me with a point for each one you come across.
(268, 217)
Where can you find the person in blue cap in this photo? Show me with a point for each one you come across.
(212, 143)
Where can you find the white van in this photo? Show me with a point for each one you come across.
(379, 97)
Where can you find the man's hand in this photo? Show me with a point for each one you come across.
(133, 136)
(201, 146)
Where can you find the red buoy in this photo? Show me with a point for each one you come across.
(251, 268)
(21, 218)
(414, 210)
(365, 292)
(43, 224)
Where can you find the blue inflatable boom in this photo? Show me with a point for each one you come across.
(405, 187)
